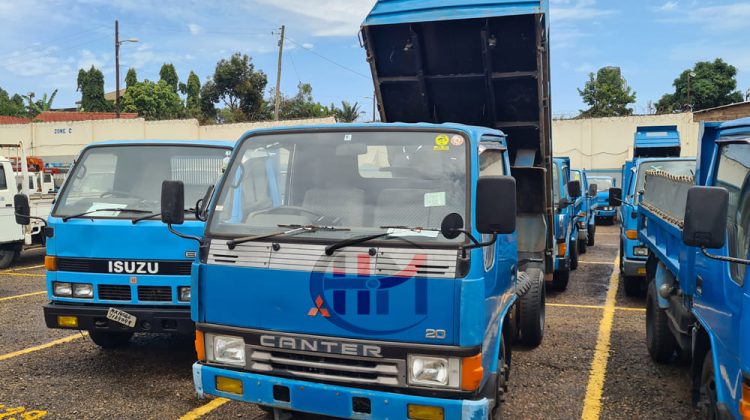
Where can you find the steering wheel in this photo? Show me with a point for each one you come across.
(317, 217)
(121, 194)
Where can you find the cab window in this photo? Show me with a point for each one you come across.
(3, 180)
(734, 175)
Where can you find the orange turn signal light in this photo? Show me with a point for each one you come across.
(472, 372)
(561, 249)
(200, 345)
(745, 401)
(631, 234)
(50, 263)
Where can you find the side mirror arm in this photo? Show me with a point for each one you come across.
(725, 259)
(182, 235)
(477, 244)
(32, 217)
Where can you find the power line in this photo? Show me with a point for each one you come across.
(310, 50)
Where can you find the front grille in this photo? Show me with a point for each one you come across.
(111, 292)
(74, 265)
(155, 293)
(327, 367)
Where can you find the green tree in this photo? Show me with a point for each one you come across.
(37, 107)
(153, 101)
(301, 105)
(131, 78)
(192, 90)
(348, 113)
(169, 75)
(91, 86)
(607, 94)
(712, 84)
(12, 105)
(238, 86)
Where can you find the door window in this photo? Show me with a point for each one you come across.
(3, 180)
(490, 164)
(734, 175)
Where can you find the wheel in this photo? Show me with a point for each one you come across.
(633, 285)
(582, 246)
(503, 369)
(7, 256)
(532, 311)
(110, 340)
(592, 235)
(707, 398)
(573, 246)
(560, 279)
(659, 339)
(622, 258)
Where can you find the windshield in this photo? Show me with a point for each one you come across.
(556, 182)
(130, 178)
(602, 184)
(674, 167)
(361, 181)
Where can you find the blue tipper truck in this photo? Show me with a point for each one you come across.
(698, 301)
(566, 194)
(655, 147)
(383, 270)
(112, 269)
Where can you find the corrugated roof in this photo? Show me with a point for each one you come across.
(62, 116)
(4, 119)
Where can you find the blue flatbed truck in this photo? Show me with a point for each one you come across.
(585, 208)
(566, 194)
(603, 212)
(345, 281)
(655, 147)
(112, 269)
(698, 301)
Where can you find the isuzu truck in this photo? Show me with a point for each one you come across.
(383, 270)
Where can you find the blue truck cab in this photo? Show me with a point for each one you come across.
(112, 269)
(603, 212)
(585, 209)
(655, 147)
(383, 270)
(698, 299)
(566, 226)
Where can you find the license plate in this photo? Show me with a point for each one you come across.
(642, 271)
(121, 317)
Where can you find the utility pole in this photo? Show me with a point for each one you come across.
(277, 108)
(689, 99)
(117, 69)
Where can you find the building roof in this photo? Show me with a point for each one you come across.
(4, 119)
(61, 116)
(734, 105)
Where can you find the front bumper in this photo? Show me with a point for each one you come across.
(605, 213)
(149, 319)
(328, 400)
(634, 268)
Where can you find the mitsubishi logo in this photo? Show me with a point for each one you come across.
(318, 308)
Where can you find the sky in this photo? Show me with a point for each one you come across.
(45, 42)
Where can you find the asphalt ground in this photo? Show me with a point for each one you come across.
(593, 362)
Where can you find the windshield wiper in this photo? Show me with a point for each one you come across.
(330, 249)
(66, 218)
(154, 215)
(232, 243)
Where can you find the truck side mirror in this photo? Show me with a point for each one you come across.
(173, 202)
(23, 211)
(706, 217)
(496, 205)
(574, 189)
(593, 190)
(615, 197)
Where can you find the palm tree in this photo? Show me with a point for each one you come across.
(348, 112)
(42, 105)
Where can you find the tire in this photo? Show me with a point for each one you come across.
(502, 384)
(622, 258)
(633, 285)
(532, 306)
(8, 256)
(582, 246)
(573, 246)
(592, 235)
(659, 339)
(560, 280)
(110, 340)
(707, 400)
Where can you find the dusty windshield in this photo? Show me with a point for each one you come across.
(361, 181)
(121, 178)
(602, 184)
(674, 167)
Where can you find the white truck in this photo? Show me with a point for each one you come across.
(15, 238)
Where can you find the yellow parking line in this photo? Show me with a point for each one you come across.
(22, 296)
(569, 305)
(10, 273)
(595, 262)
(592, 404)
(204, 409)
(67, 339)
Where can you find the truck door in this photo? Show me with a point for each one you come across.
(9, 231)
(719, 285)
(492, 163)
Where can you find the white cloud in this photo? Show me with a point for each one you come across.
(89, 58)
(716, 18)
(669, 6)
(571, 20)
(308, 46)
(195, 29)
(330, 18)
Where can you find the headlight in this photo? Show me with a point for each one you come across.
(225, 349)
(184, 294)
(640, 251)
(435, 371)
(62, 289)
(83, 290)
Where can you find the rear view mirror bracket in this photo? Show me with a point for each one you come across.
(731, 260)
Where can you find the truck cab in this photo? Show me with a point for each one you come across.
(112, 269)
(603, 212)
(585, 210)
(654, 148)
(566, 193)
(698, 298)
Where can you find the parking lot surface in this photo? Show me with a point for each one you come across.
(593, 361)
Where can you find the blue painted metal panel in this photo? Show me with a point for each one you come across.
(389, 12)
(656, 137)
